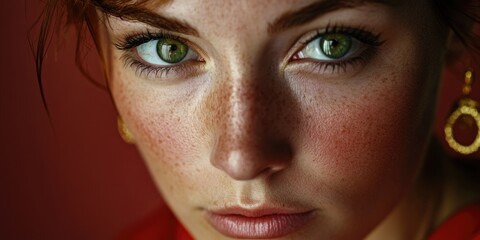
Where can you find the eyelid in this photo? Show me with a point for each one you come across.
(134, 40)
(371, 41)
(130, 43)
(361, 33)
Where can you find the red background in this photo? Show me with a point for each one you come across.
(77, 179)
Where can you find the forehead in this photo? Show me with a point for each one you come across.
(231, 15)
(255, 10)
(230, 18)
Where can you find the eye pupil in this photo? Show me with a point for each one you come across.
(171, 51)
(335, 45)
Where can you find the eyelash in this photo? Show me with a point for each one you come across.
(134, 40)
(372, 41)
(143, 69)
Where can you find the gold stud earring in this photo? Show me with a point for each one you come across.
(468, 114)
(124, 132)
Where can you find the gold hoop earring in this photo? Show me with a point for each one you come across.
(467, 108)
(124, 132)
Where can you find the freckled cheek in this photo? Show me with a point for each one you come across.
(362, 138)
(168, 137)
(360, 143)
(171, 154)
(164, 132)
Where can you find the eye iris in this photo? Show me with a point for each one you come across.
(171, 51)
(335, 45)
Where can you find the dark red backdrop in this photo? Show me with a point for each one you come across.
(77, 180)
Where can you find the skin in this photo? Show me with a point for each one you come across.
(247, 126)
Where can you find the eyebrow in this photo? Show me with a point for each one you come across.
(313, 11)
(287, 20)
(139, 14)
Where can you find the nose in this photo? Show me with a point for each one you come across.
(251, 131)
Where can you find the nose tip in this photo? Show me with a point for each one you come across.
(251, 161)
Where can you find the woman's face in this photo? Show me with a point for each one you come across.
(294, 119)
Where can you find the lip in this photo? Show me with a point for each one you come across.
(258, 223)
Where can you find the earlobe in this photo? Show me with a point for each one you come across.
(124, 132)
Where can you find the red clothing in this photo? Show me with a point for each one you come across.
(464, 225)
(161, 225)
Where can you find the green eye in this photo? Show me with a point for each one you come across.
(171, 50)
(335, 45)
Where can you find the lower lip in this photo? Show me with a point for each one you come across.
(268, 226)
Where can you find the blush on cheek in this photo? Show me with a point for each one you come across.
(362, 146)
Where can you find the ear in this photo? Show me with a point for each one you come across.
(124, 132)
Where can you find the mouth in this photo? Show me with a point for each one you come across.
(258, 223)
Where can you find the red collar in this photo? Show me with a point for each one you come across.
(464, 225)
